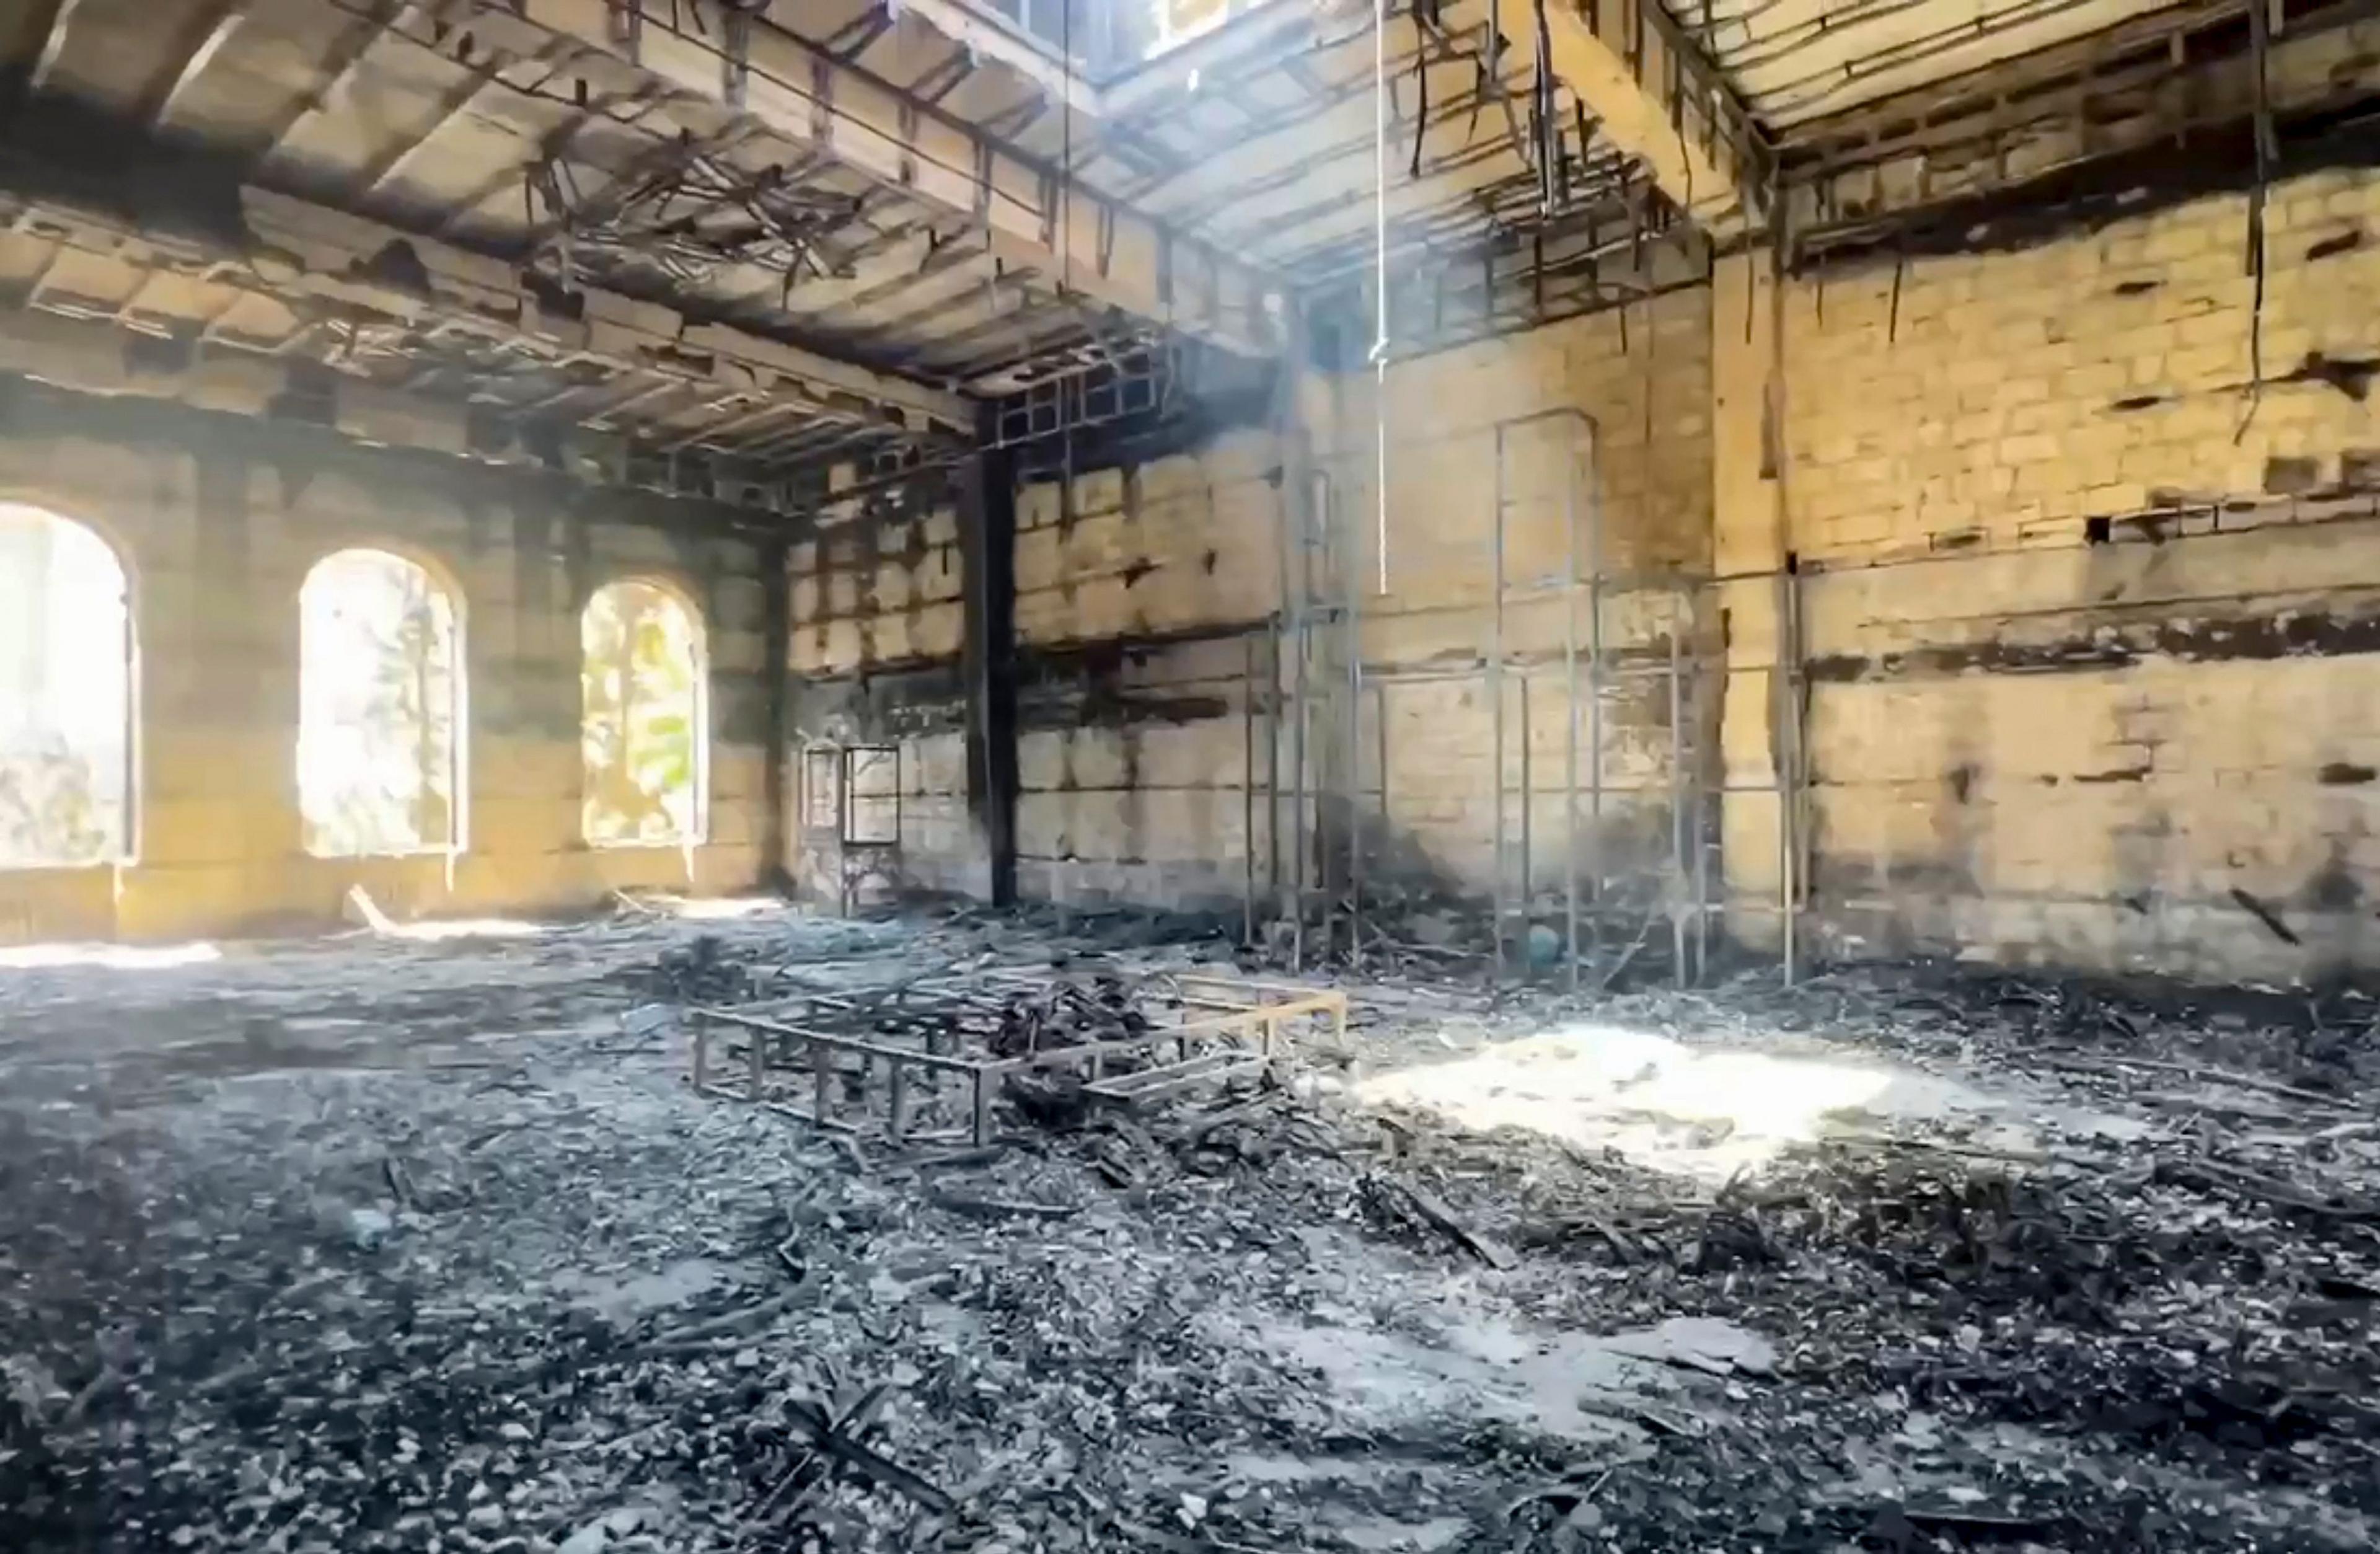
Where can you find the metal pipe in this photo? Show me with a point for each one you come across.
(1355, 818)
(1324, 527)
(1380, 307)
(1272, 758)
(1495, 700)
(1790, 780)
(1380, 733)
(1677, 882)
(1528, 831)
(1570, 717)
(1706, 762)
(1248, 789)
(1618, 674)
(1353, 814)
(1297, 861)
(1595, 672)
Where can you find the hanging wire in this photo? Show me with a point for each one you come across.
(1381, 287)
(2259, 43)
(1066, 235)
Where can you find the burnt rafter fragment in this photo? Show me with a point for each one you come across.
(688, 212)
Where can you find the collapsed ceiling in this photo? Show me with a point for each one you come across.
(768, 252)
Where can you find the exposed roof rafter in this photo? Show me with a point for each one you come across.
(1038, 219)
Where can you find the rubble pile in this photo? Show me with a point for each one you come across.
(2074, 1272)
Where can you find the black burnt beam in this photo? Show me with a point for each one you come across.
(987, 493)
(777, 658)
(2112, 126)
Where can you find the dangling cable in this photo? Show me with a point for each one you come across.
(2259, 33)
(1067, 246)
(1381, 282)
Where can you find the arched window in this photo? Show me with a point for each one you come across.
(66, 694)
(380, 692)
(644, 736)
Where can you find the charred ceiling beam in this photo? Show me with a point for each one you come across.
(1266, 33)
(624, 108)
(1339, 119)
(370, 183)
(322, 287)
(347, 256)
(205, 34)
(2086, 196)
(1036, 218)
(1459, 293)
(340, 68)
(35, 37)
(1657, 98)
(2161, 115)
(995, 42)
(720, 435)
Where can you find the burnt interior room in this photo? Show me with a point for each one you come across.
(1215, 776)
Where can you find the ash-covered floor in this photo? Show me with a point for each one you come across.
(385, 1244)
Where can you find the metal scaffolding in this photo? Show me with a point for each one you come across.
(1305, 750)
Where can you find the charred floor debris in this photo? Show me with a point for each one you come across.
(378, 1243)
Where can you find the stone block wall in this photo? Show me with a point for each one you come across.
(1142, 597)
(217, 519)
(2088, 607)
(1602, 426)
(878, 624)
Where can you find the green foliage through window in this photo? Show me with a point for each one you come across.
(378, 690)
(641, 680)
(66, 694)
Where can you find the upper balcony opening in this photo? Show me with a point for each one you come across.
(1106, 39)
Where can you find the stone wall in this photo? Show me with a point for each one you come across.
(1142, 598)
(878, 626)
(1602, 427)
(2087, 608)
(218, 518)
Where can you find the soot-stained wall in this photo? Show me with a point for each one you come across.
(1141, 593)
(2090, 609)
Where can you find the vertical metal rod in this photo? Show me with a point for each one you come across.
(1326, 777)
(1272, 759)
(1353, 814)
(1708, 769)
(1380, 737)
(1297, 804)
(702, 1055)
(1496, 699)
(1569, 718)
(756, 1054)
(1595, 674)
(821, 1082)
(1247, 789)
(1528, 830)
(898, 1085)
(1788, 780)
(1676, 884)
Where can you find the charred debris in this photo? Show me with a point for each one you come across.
(503, 1280)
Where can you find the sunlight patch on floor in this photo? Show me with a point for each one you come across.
(717, 910)
(438, 930)
(1702, 1112)
(115, 957)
